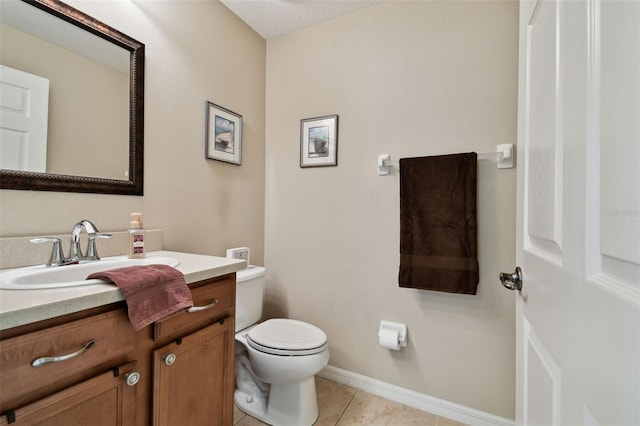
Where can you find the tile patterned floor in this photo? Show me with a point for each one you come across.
(342, 405)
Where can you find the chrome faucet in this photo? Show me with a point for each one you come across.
(75, 252)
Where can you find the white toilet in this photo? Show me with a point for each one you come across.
(276, 360)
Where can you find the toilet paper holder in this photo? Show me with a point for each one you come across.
(395, 326)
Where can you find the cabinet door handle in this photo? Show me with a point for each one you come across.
(213, 303)
(51, 359)
(169, 359)
(132, 379)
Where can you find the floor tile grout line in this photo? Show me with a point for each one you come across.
(240, 419)
(346, 407)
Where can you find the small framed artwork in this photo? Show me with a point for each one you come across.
(224, 134)
(319, 141)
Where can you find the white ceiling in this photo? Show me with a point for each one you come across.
(273, 18)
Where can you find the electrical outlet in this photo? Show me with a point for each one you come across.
(239, 253)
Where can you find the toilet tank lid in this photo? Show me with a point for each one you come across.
(250, 273)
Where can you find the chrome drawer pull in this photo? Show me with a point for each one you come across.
(51, 359)
(213, 303)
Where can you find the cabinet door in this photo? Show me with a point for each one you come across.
(194, 379)
(105, 400)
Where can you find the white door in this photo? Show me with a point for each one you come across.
(24, 109)
(578, 313)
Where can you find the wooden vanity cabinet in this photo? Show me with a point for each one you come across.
(91, 388)
(88, 380)
(104, 400)
(191, 374)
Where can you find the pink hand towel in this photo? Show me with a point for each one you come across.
(152, 292)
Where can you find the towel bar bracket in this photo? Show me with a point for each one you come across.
(383, 164)
(505, 156)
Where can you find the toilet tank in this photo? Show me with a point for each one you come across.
(249, 296)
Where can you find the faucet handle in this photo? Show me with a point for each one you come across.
(57, 255)
(75, 252)
(92, 252)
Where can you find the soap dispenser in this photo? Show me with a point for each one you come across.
(136, 237)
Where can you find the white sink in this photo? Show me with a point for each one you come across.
(45, 277)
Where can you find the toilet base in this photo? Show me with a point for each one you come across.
(292, 404)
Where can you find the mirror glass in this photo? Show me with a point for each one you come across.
(71, 101)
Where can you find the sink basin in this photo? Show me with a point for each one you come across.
(43, 277)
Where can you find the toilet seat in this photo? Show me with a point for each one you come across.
(288, 337)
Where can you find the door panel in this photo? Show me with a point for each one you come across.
(24, 114)
(616, 88)
(578, 237)
(542, 382)
(543, 141)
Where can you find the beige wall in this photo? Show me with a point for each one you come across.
(84, 116)
(408, 79)
(195, 51)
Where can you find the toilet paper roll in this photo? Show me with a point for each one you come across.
(389, 338)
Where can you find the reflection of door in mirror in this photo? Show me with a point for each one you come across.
(24, 109)
(89, 91)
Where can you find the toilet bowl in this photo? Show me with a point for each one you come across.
(276, 361)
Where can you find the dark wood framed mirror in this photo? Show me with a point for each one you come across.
(130, 180)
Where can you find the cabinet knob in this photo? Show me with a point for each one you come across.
(132, 379)
(169, 359)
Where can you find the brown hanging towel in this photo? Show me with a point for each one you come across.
(438, 227)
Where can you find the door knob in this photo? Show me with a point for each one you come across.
(512, 281)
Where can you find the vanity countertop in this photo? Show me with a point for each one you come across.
(19, 307)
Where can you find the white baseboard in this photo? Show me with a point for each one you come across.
(414, 399)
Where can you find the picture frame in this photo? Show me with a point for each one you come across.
(223, 134)
(319, 141)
